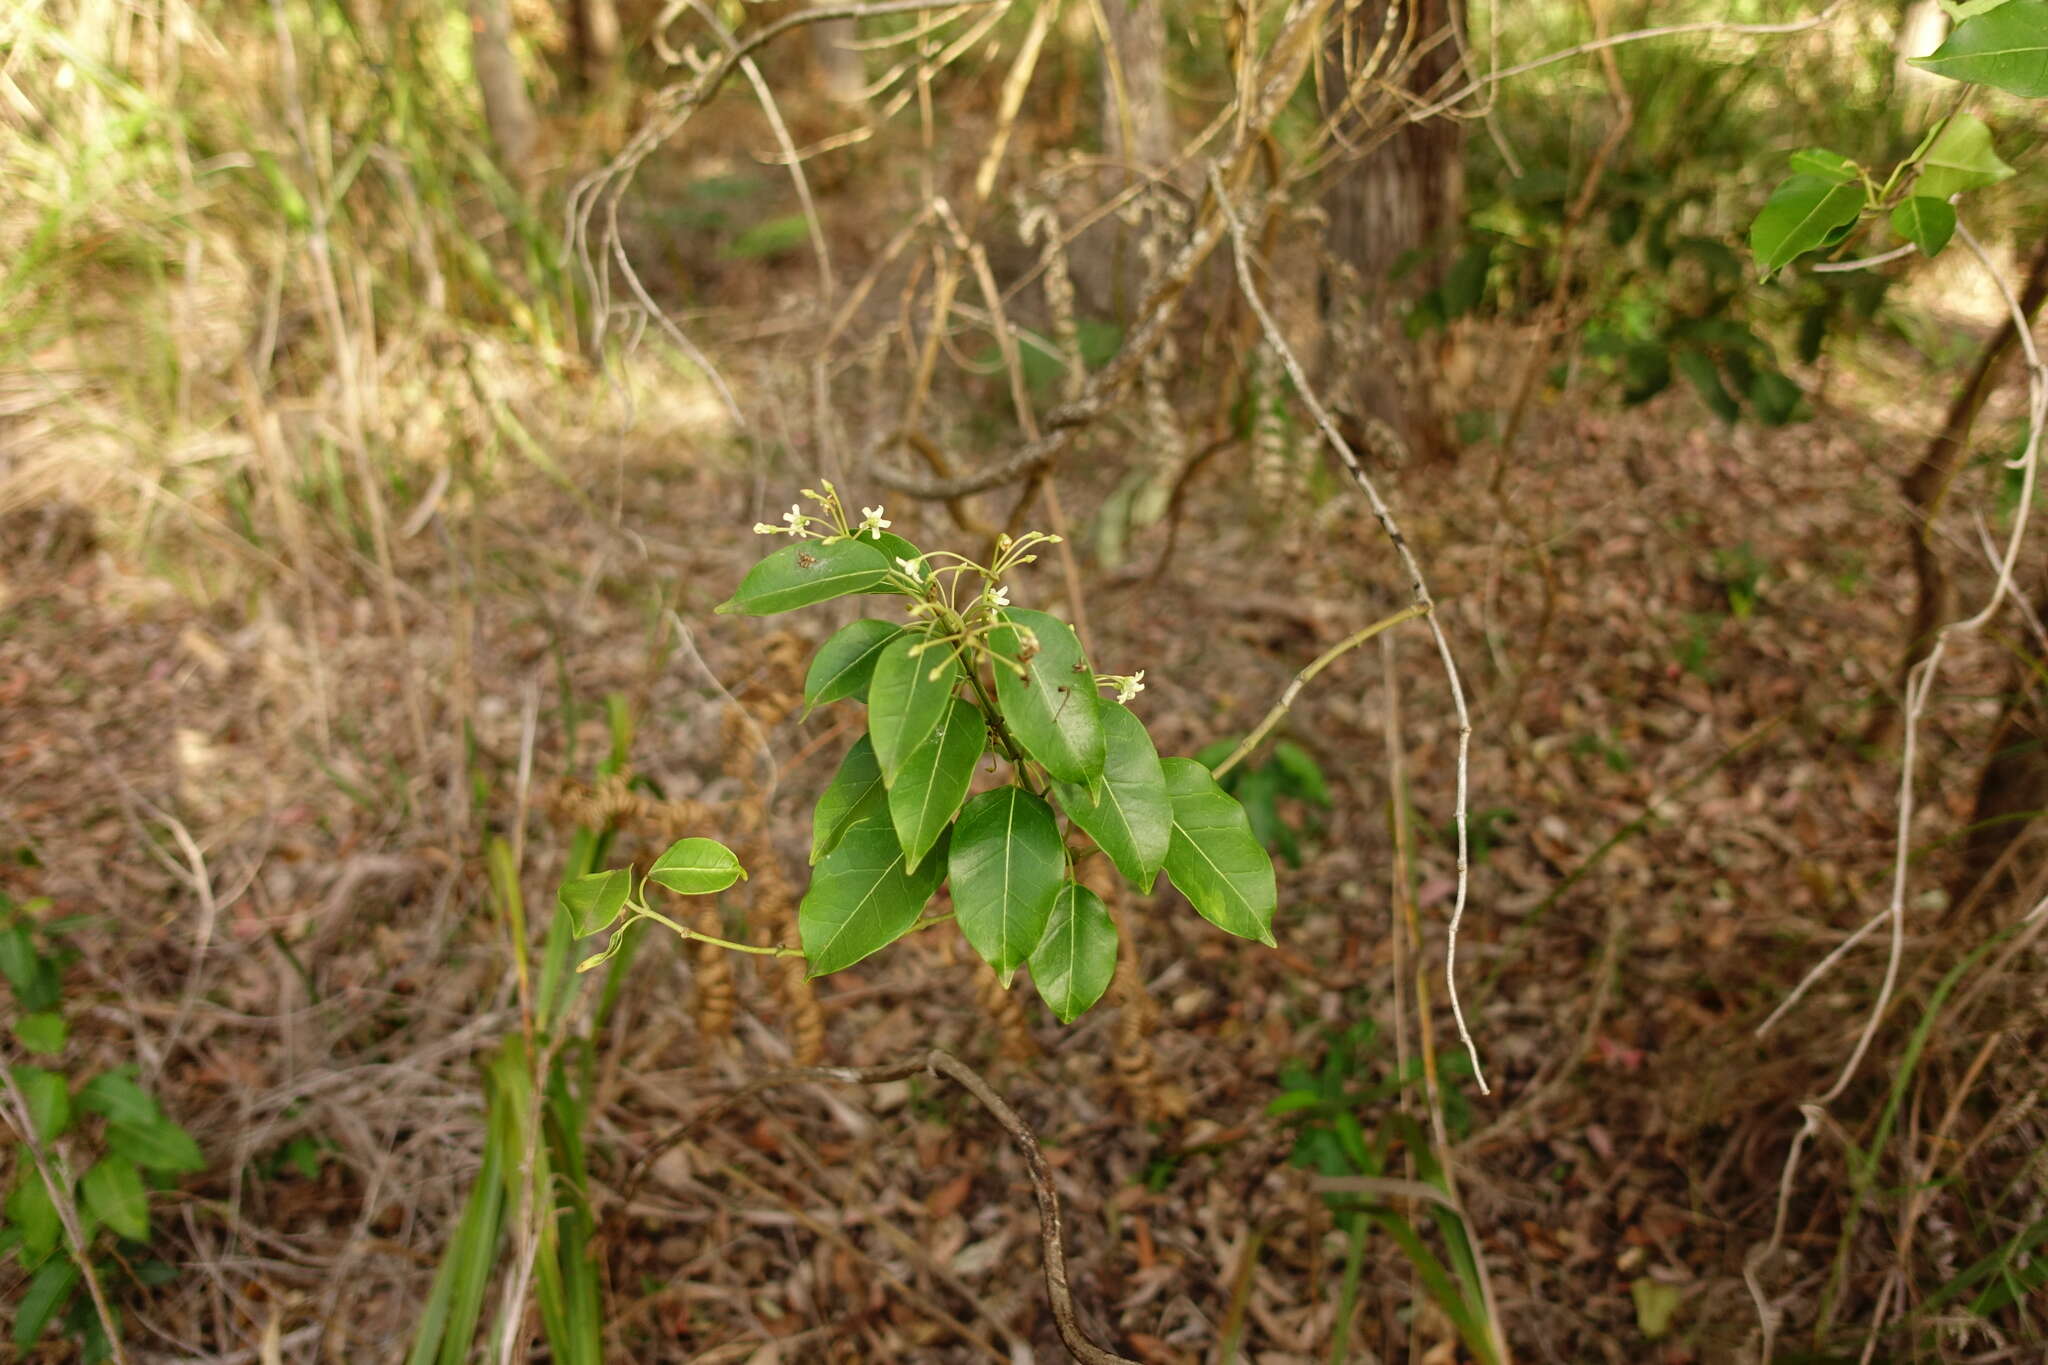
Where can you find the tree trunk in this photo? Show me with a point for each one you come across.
(842, 73)
(594, 26)
(508, 109)
(1406, 196)
(1925, 489)
(2012, 793)
(1136, 123)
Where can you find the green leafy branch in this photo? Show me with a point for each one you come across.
(1819, 206)
(968, 676)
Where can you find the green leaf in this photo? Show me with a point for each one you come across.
(33, 976)
(1959, 10)
(914, 678)
(853, 792)
(30, 1211)
(861, 898)
(1215, 861)
(808, 572)
(42, 1033)
(1656, 1303)
(1465, 282)
(594, 900)
(1774, 396)
(1829, 166)
(48, 1096)
(1699, 369)
(158, 1145)
(1051, 709)
(1799, 216)
(696, 867)
(1007, 866)
(115, 1096)
(2006, 47)
(1926, 223)
(18, 957)
(935, 778)
(1302, 775)
(892, 546)
(1075, 960)
(1960, 158)
(845, 662)
(115, 1193)
(1129, 816)
(44, 1299)
(771, 237)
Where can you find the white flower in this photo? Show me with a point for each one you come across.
(1000, 597)
(795, 516)
(762, 528)
(1127, 688)
(873, 522)
(912, 568)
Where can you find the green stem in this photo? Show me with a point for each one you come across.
(757, 949)
(1303, 678)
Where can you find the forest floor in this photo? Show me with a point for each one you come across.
(265, 773)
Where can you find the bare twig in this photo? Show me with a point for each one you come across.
(1417, 585)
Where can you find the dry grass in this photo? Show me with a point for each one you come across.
(320, 561)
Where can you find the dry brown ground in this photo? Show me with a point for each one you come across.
(292, 937)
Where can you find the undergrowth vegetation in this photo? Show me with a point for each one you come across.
(1561, 474)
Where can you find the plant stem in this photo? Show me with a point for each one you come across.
(758, 949)
(1303, 678)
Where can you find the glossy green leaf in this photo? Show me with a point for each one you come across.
(30, 1211)
(856, 790)
(47, 1293)
(1960, 158)
(1007, 865)
(1926, 223)
(1801, 214)
(1215, 860)
(593, 901)
(862, 898)
(1128, 816)
(696, 867)
(42, 1032)
(893, 546)
(1959, 10)
(914, 679)
(935, 778)
(805, 572)
(157, 1145)
(844, 664)
(1830, 166)
(1051, 708)
(48, 1096)
(1074, 962)
(115, 1193)
(115, 1096)
(2005, 47)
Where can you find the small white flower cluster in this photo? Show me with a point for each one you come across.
(1126, 687)
(794, 516)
